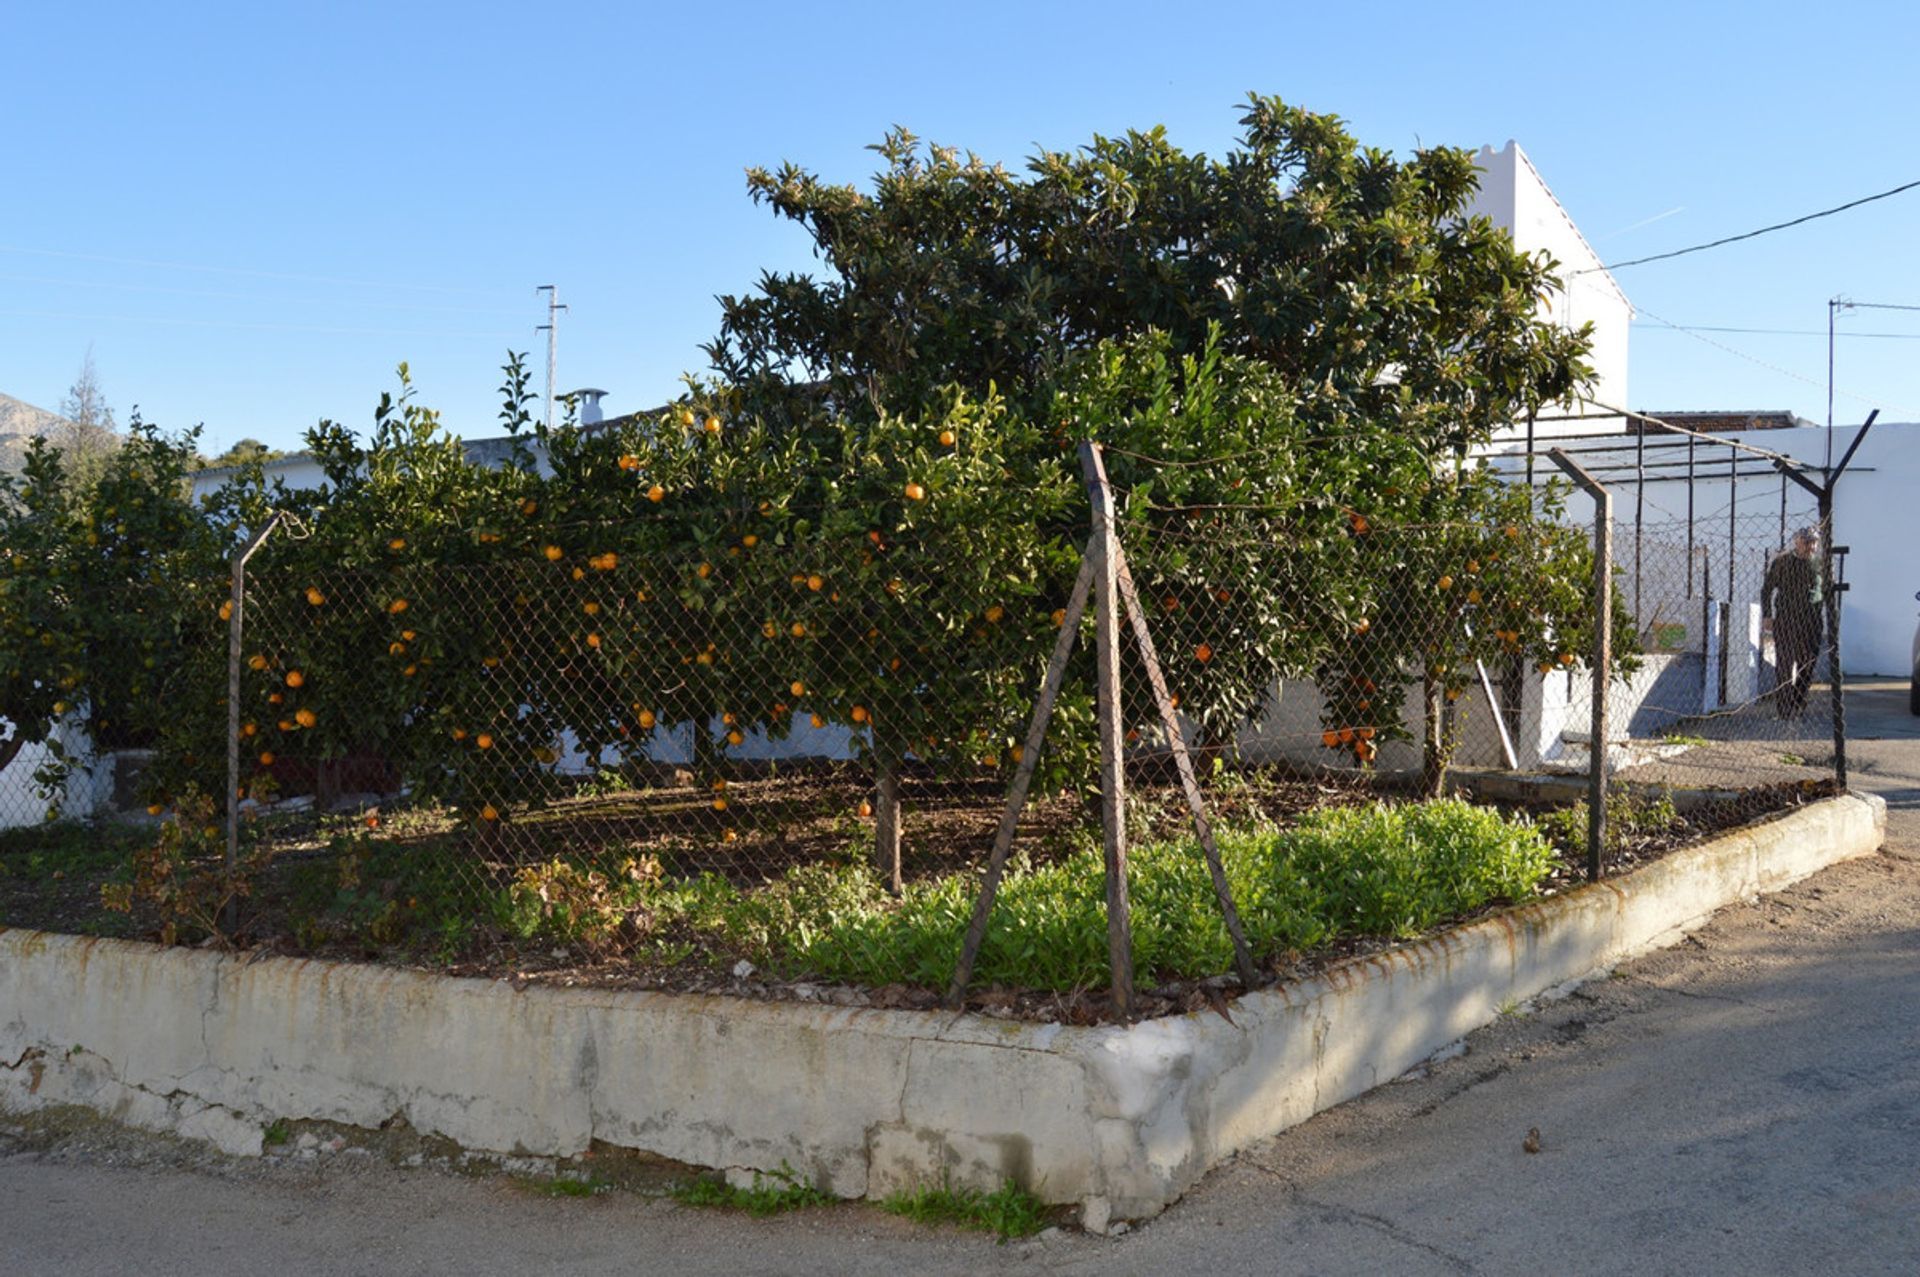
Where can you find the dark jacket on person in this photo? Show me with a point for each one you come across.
(1792, 592)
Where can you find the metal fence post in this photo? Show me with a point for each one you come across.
(237, 605)
(1602, 656)
(1835, 677)
(1834, 589)
(1113, 780)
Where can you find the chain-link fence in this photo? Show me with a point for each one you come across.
(1729, 710)
(473, 761)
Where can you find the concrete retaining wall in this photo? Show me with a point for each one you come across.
(864, 1101)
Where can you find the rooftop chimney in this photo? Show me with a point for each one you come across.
(589, 401)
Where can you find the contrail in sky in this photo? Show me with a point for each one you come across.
(1657, 217)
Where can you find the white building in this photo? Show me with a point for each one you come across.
(1515, 197)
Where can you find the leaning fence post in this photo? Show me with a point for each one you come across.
(1189, 783)
(1602, 655)
(1113, 792)
(237, 602)
(1022, 779)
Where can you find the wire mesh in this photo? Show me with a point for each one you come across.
(463, 762)
(1728, 711)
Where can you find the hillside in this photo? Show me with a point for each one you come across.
(21, 422)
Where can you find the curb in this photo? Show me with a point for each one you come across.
(1121, 1120)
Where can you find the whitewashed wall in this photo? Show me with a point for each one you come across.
(1515, 197)
(88, 791)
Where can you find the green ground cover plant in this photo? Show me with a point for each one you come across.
(772, 1193)
(1009, 1212)
(1379, 870)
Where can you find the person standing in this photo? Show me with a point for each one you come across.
(1790, 599)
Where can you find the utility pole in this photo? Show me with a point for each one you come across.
(552, 329)
(1834, 306)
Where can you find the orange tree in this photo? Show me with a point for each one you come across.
(462, 623)
(97, 580)
(881, 574)
(1454, 571)
(1268, 342)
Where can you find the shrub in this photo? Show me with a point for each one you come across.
(1380, 870)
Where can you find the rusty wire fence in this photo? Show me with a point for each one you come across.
(469, 764)
(1731, 708)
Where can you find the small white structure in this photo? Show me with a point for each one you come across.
(1515, 197)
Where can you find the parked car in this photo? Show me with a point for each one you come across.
(1913, 685)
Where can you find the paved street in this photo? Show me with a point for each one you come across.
(1747, 1102)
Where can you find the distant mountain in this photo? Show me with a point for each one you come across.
(21, 423)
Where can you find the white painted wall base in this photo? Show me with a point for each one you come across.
(1119, 1120)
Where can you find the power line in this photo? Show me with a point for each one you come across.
(1771, 367)
(1775, 332)
(1764, 230)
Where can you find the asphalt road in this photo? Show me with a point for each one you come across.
(1747, 1102)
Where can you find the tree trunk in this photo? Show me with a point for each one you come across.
(886, 811)
(10, 747)
(1437, 745)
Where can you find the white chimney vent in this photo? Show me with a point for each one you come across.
(589, 401)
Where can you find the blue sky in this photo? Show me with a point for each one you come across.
(253, 212)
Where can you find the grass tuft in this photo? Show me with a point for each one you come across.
(591, 1186)
(772, 1193)
(1009, 1212)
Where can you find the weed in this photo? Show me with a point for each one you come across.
(1629, 818)
(591, 1186)
(607, 782)
(278, 1132)
(1008, 1212)
(1683, 738)
(772, 1192)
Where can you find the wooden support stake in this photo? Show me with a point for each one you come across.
(1170, 720)
(1113, 776)
(1022, 778)
(1602, 653)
